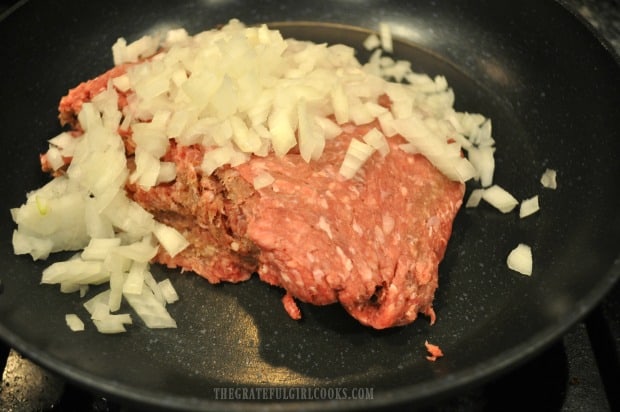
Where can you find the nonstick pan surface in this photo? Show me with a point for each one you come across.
(551, 88)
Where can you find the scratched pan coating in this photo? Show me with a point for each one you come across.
(551, 88)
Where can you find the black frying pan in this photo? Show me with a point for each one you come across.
(552, 91)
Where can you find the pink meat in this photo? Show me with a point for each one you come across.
(372, 243)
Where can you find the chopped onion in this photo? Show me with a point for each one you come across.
(529, 207)
(499, 198)
(170, 239)
(483, 160)
(74, 322)
(72, 269)
(372, 42)
(142, 251)
(474, 198)
(168, 291)
(150, 310)
(98, 249)
(112, 323)
(135, 278)
(520, 259)
(386, 37)
(377, 140)
(549, 179)
(117, 279)
(262, 180)
(355, 157)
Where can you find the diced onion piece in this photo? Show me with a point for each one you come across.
(98, 249)
(167, 172)
(142, 251)
(70, 270)
(499, 198)
(340, 103)
(147, 169)
(386, 37)
(132, 52)
(111, 324)
(549, 179)
(102, 297)
(151, 283)
(262, 180)
(135, 278)
(38, 248)
(520, 259)
(483, 160)
(116, 290)
(103, 320)
(170, 239)
(474, 198)
(372, 42)
(168, 291)
(377, 140)
(74, 322)
(216, 158)
(355, 157)
(309, 135)
(100, 310)
(330, 129)
(529, 207)
(150, 310)
(54, 158)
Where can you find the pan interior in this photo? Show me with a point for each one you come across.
(239, 335)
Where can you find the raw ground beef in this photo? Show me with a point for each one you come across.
(372, 243)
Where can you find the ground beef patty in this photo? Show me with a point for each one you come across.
(373, 243)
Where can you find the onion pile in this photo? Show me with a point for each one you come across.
(246, 91)
(240, 92)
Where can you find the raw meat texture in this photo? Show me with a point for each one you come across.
(372, 243)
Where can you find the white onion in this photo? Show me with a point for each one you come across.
(484, 162)
(74, 322)
(474, 198)
(170, 239)
(549, 179)
(386, 37)
(529, 207)
(135, 278)
(150, 310)
(98, 249)
(168, 291)
(117, 279)
(262, 180)
(355, 157)
(141, 251)
(71, 269)
(520, 259)
(372, 42)
(499, 198)
(377, 140)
